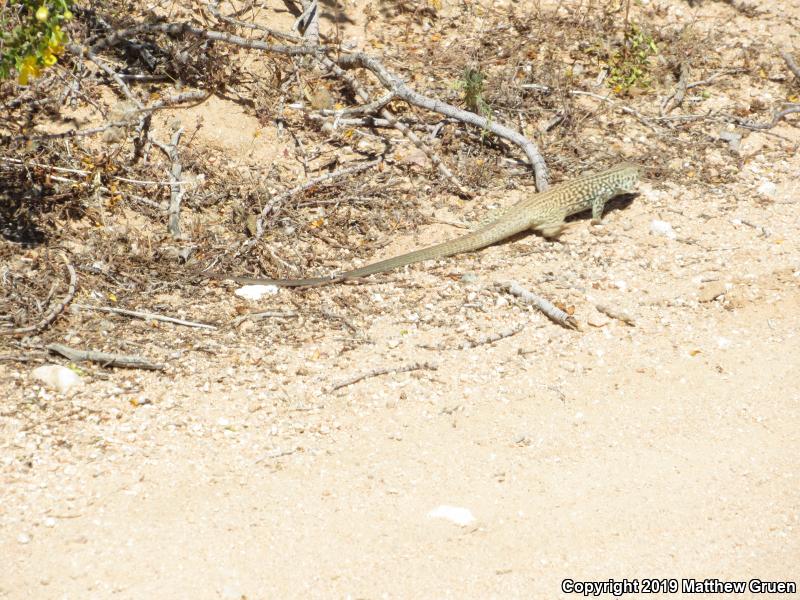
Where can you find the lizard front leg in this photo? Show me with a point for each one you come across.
(598, 204)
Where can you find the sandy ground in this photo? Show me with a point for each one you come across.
(663, 449)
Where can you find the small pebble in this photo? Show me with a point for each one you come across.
(455, 514)
(662, 228)
(734, 139)
(256, 292)
(767, 189)
(598, 320)
(57, 377)
(712, 291)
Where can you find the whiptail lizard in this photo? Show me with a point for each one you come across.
(544, 212)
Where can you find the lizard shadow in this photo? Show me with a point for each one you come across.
(617, 203)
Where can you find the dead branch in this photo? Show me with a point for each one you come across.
(714, 76)
(378, 372)
(490, 339)
(106, 359)
(80, 51)
(213, 7)
(144, 315)
(551, 312)
(176, 194)
(644, 120)
(119, 36)
(197, 97)
(748, 124)
(616, 313)
(676, 98)
(394, 84)
(72, 133)
(395, 123)
(22, 357)
(57, 309)
(308, 22)
(267, 314)
(790, 62)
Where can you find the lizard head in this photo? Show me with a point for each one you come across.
(627, 176)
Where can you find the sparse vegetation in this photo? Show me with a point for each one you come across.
(471, 85)
(631, 66)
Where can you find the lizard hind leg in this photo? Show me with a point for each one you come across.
(552, 229)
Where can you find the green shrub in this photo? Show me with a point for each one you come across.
(472, 88)
(631, 66)
(31, 39)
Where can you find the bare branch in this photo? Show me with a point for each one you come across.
(395, 123)
(748, 124)
(144, 315)
(176, 194)
(105, 358)
(552, 312)
(79, 51)
(377, 372)
(395, 84)
(790, 62)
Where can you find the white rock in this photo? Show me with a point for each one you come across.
(767, 189)
(57, 377)
(256, 292)
(232, 591)
(455, 514)
(662, 228)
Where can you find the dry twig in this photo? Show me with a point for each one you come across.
(145, 316)
(267, 314)
(490, 339)
(748, 124)
(552, 312)
(106, 359)
(176, 194)
(790, 62)
(616, 313)
(377, 372)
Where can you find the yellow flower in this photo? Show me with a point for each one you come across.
(48, 58)
(57, 37)
(28, 69)
(42, 13)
